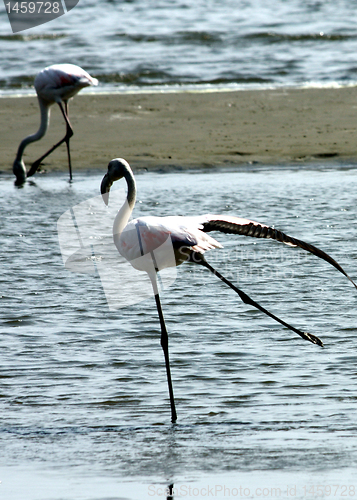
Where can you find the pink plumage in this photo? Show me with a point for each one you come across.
(55, 84)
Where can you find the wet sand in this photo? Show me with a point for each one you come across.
(189, 129)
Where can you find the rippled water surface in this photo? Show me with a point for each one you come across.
(84, 401)
(140, 43)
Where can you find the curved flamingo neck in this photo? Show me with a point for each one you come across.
(124, 213)
(45, 120)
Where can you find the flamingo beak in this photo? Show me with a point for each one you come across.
(105, 188)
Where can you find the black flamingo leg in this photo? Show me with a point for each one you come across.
(165, 348)
(247, 300)
(66, 138)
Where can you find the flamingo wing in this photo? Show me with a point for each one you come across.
(245, 227)
(183, 231)
(187, 232)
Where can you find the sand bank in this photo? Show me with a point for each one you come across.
(189, 129)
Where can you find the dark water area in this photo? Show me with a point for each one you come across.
(83, 392)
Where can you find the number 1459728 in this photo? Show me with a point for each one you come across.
(33, 7)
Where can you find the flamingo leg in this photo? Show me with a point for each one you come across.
(247, 300)
(165, 348)
(66, 138)
(69, 133)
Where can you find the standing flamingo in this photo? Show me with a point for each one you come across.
(141, 242)
(57, 83)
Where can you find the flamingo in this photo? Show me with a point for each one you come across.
(54, 84)
(140, 240)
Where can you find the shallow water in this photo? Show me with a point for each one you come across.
(140, 43)
(84, 400)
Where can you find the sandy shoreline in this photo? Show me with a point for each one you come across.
(189, 129)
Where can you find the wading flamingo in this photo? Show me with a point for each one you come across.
(139, 241)
(54, 84)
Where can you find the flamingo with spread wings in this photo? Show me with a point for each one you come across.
(54, 84)
(141, 242)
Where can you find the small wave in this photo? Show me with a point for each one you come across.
(143, 75)
(176, 38)
(274, 37)
(218, 38)
(148, 76)
(118, 86)
(29, 38)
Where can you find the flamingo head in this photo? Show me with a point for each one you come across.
(19, 170)
(117, 169)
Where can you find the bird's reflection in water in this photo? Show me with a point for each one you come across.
(170, 490)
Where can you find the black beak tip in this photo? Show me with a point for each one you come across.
(105, 197)
(104, 189)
